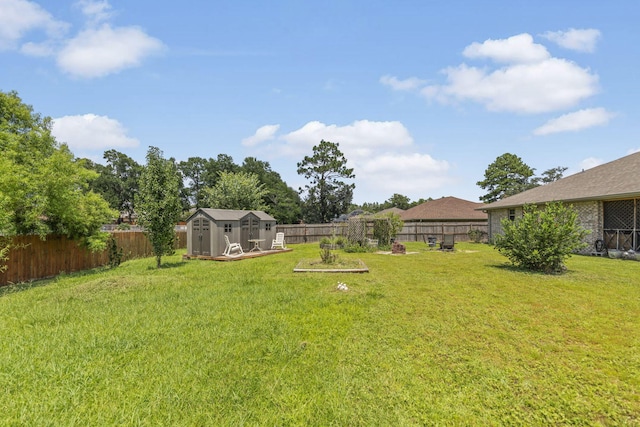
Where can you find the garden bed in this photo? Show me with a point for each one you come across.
(341, 266)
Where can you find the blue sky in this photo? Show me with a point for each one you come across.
(421, 95)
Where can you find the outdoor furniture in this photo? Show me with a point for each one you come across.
(232, 247)
(256, 245)
(278, 242)
(447, 242)
(430, 241)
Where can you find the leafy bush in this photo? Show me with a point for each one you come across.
(542, 239)
(327, 256)
(385, 228)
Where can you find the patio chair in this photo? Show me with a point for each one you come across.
(231, 248)
(278, 242)
(447, 242)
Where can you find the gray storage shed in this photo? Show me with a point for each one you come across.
(206, 229)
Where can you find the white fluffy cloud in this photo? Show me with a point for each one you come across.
(580, 40)
(383, 155)
(264, 133)
(516, 49)
(576, 121)
(91, 132)
(20, 17)
(97, 50)
(106, 50)
(526, 79)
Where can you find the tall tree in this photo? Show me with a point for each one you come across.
(327, 196)
(118, 181)
(43, 188)
(398, 201)
(194, 170)
(236, 191)
(551, 175)
(158, 202)
(506, 176)
(281, 201)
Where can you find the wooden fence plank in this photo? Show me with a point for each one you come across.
(31, 258)
(411, 231)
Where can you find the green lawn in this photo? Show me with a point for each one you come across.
(429, 338)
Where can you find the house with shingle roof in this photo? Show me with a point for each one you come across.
(447, 215)
(445, 209)
(606, 198)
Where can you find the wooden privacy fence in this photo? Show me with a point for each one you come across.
(31, 258)
(411, 231)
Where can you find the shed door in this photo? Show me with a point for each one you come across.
(249, 229)
(201, 237)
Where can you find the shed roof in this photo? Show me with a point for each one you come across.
(231, 214)
(445, 209)
(614, 180)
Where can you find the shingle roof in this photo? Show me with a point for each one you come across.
(232, 214)
(614, 180)
(445, 209)
(391, 210)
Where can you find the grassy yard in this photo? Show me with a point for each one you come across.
(429, 338)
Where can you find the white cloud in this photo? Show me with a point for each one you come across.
(415, 175)
(361, 138)
(531, 81)
(95, 10)
(580, 40)
(20, 17)
(550, 85)
(383, 155)
(412, 83)
(264, 133)
(590, 162)
(98, 52)
(91, 132)
(528, 80)
(516, 49)
(576, 121)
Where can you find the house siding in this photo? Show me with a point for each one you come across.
(590, 214)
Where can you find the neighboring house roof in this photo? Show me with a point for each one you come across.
(614, 180)
(391, 210)
(231, 214)
(445, 209)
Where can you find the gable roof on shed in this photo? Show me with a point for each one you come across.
(614, 180)
(231, 214)
(445, 209)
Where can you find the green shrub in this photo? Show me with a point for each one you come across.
(476, 235)
(114, 252)
(542, 239)
(327, 256)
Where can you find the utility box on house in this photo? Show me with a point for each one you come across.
(206, 229)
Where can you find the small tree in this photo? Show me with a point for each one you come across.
(159, 204)
(385, 228)
(542, 239)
